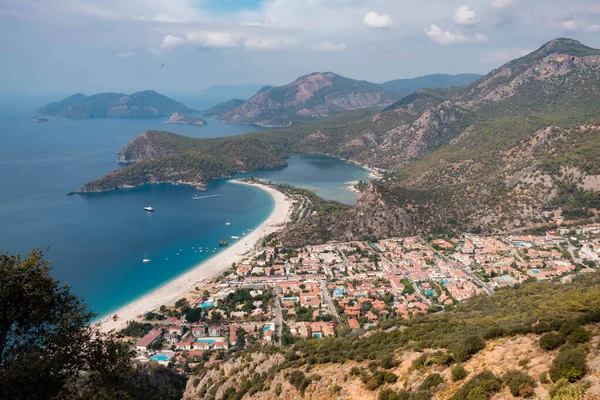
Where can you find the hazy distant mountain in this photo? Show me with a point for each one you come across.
(312, 96)
(408, 86)
(223, 108)
(147, 103)
(223, 92)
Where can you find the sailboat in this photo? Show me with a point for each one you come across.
(227, 223)
(146, 259)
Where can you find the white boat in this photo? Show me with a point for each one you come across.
(149, 209)
(146, 259)
(235, 237)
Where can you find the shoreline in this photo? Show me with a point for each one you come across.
(180, 286)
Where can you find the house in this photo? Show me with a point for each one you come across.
(151, 337)
(354, 325)
(214, 330)
(220, 345)
(199, 331)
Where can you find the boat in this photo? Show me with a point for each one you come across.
(227, 223)
(224, 242)
(146, 259)
(149, 209)
(235, 237)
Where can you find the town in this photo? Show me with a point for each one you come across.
(278, 296)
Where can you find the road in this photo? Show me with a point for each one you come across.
(328, 300)
(278, 317)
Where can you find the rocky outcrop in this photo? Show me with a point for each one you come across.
(178, 118)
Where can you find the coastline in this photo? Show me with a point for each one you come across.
(179, 287)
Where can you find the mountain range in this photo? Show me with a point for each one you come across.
(309, 97)
(490, 156)
(408, 86)
(146, 103)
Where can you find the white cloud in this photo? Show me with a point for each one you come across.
(374, 20)
(480, 38)
(501, 5)
(328, 46)
(465, 15)
(257, 43)
(215, 40)
(571, 25)
(125, 55)
(443, 37)
(168, 43)
(594, 28)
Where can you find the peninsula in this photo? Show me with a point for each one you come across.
(147, 103)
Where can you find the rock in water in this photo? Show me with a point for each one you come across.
(178, 118)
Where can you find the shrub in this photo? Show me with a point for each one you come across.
(551, 341)
(388, 362)
(569, 364)
(579, 335)
(519, 383)
(299, 380)
(563, 390)
(493, 332)
(439, 358)
(540, 328)
(480, 387)
(467, 347)
(431, 382)
(419, 363)
(544, 378)
(459, 373)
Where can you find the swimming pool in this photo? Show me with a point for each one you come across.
(209, 341)
(430, 293)
(206, 304)
(294, 299)
(159, 357)
(536, 271)
(317, 335)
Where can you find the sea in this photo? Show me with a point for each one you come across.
(97, 241)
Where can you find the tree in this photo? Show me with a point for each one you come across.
(459, 373)
(569, 364)
(48, 350)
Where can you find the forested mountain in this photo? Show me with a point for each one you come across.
(309, 97)
(489, 156)
(147, 103)
(408, 86)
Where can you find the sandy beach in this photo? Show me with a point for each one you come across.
(170, 292)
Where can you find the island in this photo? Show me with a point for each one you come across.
(147, 103)
(179, 118)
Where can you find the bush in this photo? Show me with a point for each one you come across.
(388, 362)
(519, 383)
(550, 341)
(544, 378)
(299, 380)
(459, 373)
(569, 364)
(481, 387)
(467, 347)
(563, 390)
(493, 332)
(540, 328)
(431, 382)
(579, 335)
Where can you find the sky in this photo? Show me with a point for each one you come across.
(90, 46)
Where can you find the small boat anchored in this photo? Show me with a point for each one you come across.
(146, 259)
(227, 223)
(224, 242)
(149, 209)
(235, 237)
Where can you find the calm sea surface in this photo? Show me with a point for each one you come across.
(98, 241)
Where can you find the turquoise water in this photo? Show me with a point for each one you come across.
(327, 175)
(210, 341)
(98, 241)
(160, 357)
